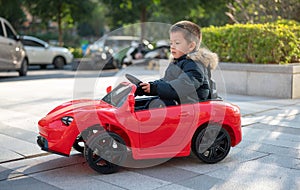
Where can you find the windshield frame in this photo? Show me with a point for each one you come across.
(118, 96)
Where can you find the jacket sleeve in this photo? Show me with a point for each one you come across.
(163, 89)
(187, 82)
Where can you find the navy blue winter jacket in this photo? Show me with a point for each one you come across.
(186, 81)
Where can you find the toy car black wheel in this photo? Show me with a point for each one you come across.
(211, 144)
(79, 144)
(105, 152)
(83, 136)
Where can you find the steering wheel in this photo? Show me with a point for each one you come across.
(139, 91)
(133, 79)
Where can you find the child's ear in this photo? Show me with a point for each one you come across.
(192, 46)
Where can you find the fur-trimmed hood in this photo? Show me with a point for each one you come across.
(206, 57)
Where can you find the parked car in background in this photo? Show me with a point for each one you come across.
(103, 50)
(41, 53)
(12, 53)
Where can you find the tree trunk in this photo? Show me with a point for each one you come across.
(59, 22)
(143, 20)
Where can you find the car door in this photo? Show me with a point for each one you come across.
(165, 129)
(14, 45)
(36, 51)
(3, 51)
(11, 48)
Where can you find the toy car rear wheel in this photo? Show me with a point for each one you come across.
(212, 144)
(105, 152)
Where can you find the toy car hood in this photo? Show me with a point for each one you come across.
(70, 108)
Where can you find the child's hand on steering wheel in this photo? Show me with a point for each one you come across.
(145, 87)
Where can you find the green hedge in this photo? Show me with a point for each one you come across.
(255, 43)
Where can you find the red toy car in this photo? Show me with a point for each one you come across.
(107, 130)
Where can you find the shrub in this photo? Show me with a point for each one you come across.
(77, 52)
(255, 43)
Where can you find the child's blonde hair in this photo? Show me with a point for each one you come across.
(191, 31)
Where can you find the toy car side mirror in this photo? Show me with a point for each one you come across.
(131, 102)
(108, 89)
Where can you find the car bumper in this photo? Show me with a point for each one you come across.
(43, 143)
(56, 138)
(69, 59)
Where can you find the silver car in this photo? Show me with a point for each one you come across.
(41, 53)
(12, 54)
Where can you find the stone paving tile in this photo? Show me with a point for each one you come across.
(23, 148)
(238, 154)
(273, 138)
(262, 100)
(132, 180)
(201, 182)
(276, 128)
(242, 98)
(261, 106)
(7, 154)
(281, 102)
(18, 133)
(270, 149)
(193, 164)
(281, 111)
(252, 108)
(25, 183)
(284, 121)
(282, 161)
(43, 163)
(172, 187)
(286, 116)
(78, 176)
(235, 156)
(19, 119)
(166, 172)
(249, 120)
(208, 182)
(6, 173)
(279, 121)
(259, 175)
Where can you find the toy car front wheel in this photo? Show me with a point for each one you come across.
(79, 144)
(83, 136)
(211, 144)
(105, 152)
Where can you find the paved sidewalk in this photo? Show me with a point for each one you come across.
(267, 158)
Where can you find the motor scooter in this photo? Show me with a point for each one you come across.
(141, 53)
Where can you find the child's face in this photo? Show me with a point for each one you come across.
(179, 45)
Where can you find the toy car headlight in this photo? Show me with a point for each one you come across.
(67, 120)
